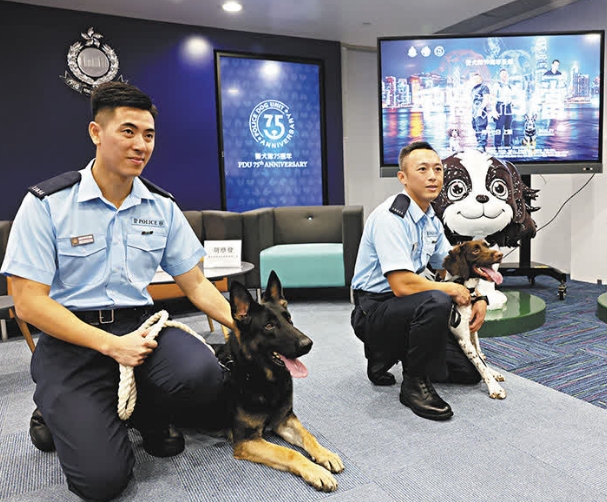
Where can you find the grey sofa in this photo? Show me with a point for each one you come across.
(268, 227)
(5, 228)
(260, 229)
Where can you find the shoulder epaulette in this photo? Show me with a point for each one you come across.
(53, 185)
(400, 205)
(156, 189)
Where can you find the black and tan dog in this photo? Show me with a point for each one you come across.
(261, 354)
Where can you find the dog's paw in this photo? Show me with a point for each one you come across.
(319, 478)
(498, 376)
(330, 461)
(497, 393)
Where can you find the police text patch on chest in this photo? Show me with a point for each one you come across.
(147, 222)
(82, 239)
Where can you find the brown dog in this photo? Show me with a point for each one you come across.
(468, 263)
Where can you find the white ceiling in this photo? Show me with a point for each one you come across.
(352, 22)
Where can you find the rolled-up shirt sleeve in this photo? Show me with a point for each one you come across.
(31, 250)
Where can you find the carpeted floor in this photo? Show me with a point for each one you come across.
(539, 444)
(569, 352)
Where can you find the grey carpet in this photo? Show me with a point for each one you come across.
(569, 352)
(537, 445)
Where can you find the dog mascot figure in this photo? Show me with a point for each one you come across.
(484, 197)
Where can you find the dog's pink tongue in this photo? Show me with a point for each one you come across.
(295, 367)
(493, 274)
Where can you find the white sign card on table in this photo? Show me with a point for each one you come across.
(222, 253)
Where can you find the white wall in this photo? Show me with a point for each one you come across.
(361, 133)
(575, 242)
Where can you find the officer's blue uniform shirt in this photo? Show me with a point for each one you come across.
(391, 242)
(94, 256)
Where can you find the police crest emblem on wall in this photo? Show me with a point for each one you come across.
(91, 63)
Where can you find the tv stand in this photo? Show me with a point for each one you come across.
(531, 269)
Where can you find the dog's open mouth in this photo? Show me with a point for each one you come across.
(295, 366)
(489, 274)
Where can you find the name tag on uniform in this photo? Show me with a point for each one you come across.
(82, 239)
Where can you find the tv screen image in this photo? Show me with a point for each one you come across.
(533, 99)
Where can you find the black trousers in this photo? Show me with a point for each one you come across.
(76, 391)
(479, 124)
(503, 124)
(412, 329)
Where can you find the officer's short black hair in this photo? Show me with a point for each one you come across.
(416, 145)
(112, 95)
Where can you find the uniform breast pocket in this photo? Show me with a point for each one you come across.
(84, 264)
(429, 246)
(143, 254)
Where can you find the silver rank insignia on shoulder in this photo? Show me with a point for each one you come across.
(82, 239)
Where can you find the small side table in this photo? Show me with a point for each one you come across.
(163, 285)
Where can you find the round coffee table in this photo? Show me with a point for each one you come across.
(211, 273)
(163, 286)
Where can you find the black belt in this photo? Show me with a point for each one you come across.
(361, 294)
(98, 317)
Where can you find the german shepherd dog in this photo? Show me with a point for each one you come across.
(530, 129)
(261, 354)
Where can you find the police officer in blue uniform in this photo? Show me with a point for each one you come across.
(83, 248)
(504, 96)
(481, 94)
(400, 314)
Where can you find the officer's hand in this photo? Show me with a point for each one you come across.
(133, 348)
(460, 294)
(479, 311)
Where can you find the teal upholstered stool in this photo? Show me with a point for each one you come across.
(318, 265)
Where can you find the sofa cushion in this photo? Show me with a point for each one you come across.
(304, 265)
(307, 224)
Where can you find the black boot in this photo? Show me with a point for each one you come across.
(378, 365)
(378, 374)
(418, 394)
(164, 441)
(40, 434)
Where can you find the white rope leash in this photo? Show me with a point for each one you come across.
(127, 390)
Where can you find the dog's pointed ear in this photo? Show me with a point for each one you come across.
(273, 291)
(240, 301)
(455, 262)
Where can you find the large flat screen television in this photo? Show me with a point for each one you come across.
(533, 99)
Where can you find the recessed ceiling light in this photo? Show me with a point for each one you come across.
(232, 7)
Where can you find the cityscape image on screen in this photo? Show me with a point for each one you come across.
(533, 99)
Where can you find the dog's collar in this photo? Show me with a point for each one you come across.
(460, 280)
(473, 292)
(478, 298)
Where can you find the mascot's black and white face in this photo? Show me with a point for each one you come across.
(483, 196)
(478, 194)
